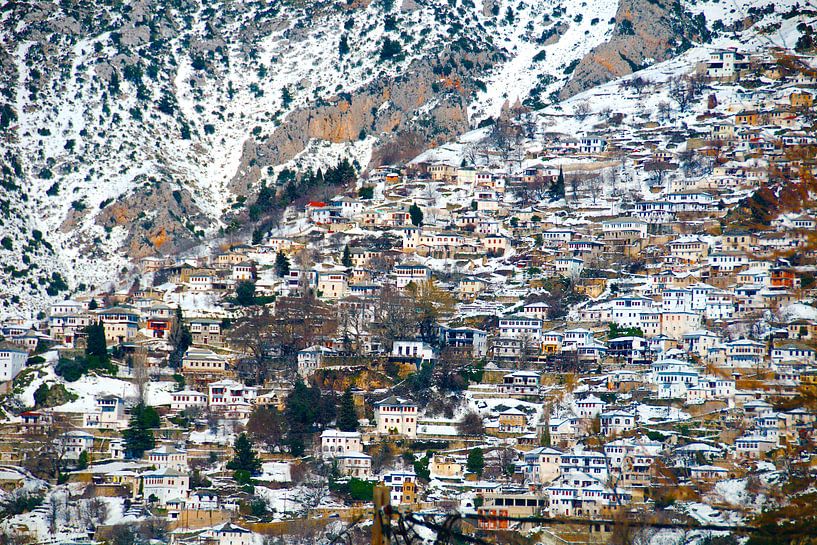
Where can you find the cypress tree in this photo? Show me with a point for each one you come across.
(347, 415)
(557, 190)
(416, 214)
(97, 347)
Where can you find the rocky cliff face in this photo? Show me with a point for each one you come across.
(418, 102)
(645, 32)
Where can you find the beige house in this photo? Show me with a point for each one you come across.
(446, 467)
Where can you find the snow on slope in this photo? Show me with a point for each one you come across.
(532, 62)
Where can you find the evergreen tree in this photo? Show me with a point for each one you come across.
(346, 260)
(347, 415)
(301, 408)
(93, 305)
(245, 293)
(139, 435)
(557, 190)
(545, 439)
(343, 46)
(476, 461)
(82, 460)
(41, 395)
(281, 264)
(416, 214)
(180, 338)
(244, 458)
(97, 347)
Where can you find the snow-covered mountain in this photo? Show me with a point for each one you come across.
(144, 127)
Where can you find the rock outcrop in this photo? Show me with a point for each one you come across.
(645, 30)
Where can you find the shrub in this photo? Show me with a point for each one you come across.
(391, 50)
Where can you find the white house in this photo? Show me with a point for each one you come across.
(411, 274)
(617, 422)
(414, 350)
(169, 457)
(401, 484)
(336, 443)
(518, 327)
(224, 394)
(586, 461)
(186, 399)
(542, 465)
(74, 442)
(165, 484)
(355, 464)
(108, 413)
(228, 534)
(310, 359)
(589, 407)
(12, 361)
(396, 415)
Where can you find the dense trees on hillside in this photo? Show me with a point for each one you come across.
(291, 186)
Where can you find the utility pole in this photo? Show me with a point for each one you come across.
(381, 534)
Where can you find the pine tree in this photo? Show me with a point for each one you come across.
(346, 260)
(347, 415)
(93, 305)
(416, 214)
(139, 435)
(281, 264)
(476, 461)
(244, 458)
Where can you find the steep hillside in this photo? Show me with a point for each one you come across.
(138, 128)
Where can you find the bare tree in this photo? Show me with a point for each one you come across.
(680, 90)
(54, 512)
(505, 458)
(471, 424)
(664, 110)
(582, 111)
(595, 185)
(139, 373)
(394, 317)
(94, 512)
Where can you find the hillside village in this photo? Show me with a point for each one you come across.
(599, 311)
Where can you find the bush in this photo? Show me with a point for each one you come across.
(391, 50)
(242, 476)
(356, 489)
(6, 243)
(71, 369)
(20, 501)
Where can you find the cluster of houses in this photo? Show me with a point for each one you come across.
(580, 312)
